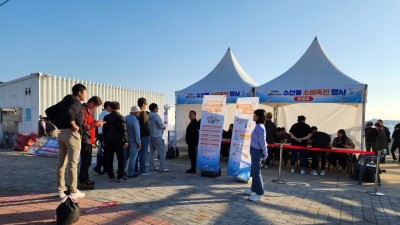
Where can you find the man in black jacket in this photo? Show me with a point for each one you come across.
(69, 140)
(192, 139)
(270, 133)
(115, 141)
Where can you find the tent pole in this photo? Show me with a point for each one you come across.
(364, 101)
(253, 92)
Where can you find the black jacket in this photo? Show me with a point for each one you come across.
(71, 109)
(115, 127)
(192, 133)
(270, 131)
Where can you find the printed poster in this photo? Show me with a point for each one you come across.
(46, 146)
(339, 94)
(239, 164)
(212, 122)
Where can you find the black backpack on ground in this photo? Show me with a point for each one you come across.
(172, 153)
(68, 211)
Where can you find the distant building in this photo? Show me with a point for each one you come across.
(22, 100)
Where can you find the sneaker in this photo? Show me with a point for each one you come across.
(146, 173)
(77, 194)
(314, 173)
(120, 179)
(190, 171)
(292, 170)
(255, 197)
(248, 192)
(132, 176)
(61, 194)
(322, 173)
(164, 170)
(111, 178)
(266, 167)
(303, 171)
(153, 169)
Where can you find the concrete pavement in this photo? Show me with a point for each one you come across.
(28, 187)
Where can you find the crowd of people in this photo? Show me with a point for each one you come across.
(129, 138)
(126, 137)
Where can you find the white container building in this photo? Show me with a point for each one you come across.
(22, 100)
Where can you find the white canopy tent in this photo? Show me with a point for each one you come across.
(227, 78)
(315, 79)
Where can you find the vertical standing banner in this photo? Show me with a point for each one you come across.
(212, 122)
(239, 164)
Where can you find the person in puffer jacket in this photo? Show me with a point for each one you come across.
(157, 128)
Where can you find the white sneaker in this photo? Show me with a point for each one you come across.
(322, 173)
(248, 192)
(292, 170)
(303, 171)
(314, 173)
(255, 197)
(146, 173)
(61, 194)
(77, 194)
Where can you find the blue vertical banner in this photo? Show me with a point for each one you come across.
(239, 164)
(212, 123)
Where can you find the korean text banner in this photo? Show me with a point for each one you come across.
(340, 94)
(196, 97)
(239, 164)
(47, 146)
(212, 122)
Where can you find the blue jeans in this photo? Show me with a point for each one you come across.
(143, 154)
(257, 185)
(130, 157)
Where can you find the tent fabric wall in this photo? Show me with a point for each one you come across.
(327, 117)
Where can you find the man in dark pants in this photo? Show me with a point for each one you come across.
(371, 134)
(300, 132)
(115, 141)
(270, 132)
(192, 140)
(88, 138)
(387, 134)
(319, 140)
(101, 156)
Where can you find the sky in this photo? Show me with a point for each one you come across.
(167, 45)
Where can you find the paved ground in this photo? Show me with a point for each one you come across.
(28, 186)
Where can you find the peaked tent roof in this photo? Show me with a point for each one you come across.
(227, 74)
(313, 68)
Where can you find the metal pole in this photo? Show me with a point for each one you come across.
(375, 192)
(279, 181)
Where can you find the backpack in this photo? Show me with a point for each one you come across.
(68, 212)
(55, 114)
(172, 153)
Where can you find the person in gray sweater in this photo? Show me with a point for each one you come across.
(157, 128)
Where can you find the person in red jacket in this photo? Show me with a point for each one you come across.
(88, 138)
